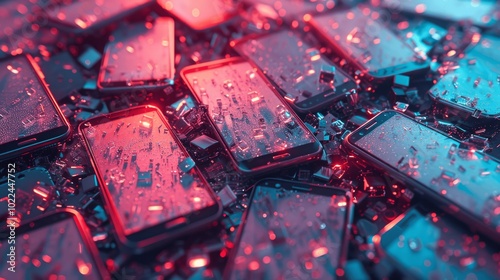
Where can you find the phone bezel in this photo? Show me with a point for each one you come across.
(379, 74)
(16, 147)
(149, 84)
(299, 187)
(313, 103)
(443, 202)
(59, 215)
(267, 162)
(146, 238)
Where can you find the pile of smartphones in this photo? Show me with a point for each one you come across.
(250, 139)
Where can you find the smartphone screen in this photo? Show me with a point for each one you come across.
(200, 14)
(81, 15)
(150, 183)
(291, 230)
(139, 56)
(57, 246)
(255, 123)
(436, 247)
(434, 163)
(473, 84)
(28, 113)
(295, 66)
(482, 13)
(369, 44)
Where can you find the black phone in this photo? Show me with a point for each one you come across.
(84, 16)
(139, 56)
(152, 189)
(460, 179)
(367, 43)
(32, 190)
(254, 122)
(29, 116)
(200, 14)
(473, 84)
(57, 245)
(292, 230)
(484, 13)
(305, 77)
(428, 245)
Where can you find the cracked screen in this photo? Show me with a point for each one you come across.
(149, 178)
(474, 83)
(293, 64)
(140, 54)
(366, 41)
(25, 109)
(51, 252)
(251, 118)
(461, 174)
(290, 235)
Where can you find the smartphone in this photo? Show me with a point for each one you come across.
(460, 179)
(34, 191)
(29, 116)
(473, 85)
(296, 67)
(367, 43)
(55, 246)
(139, 56)
(484, 13)
(200, 14)
(152, 189)
(291, 230)
(422, 35)
(83, 16)
(252, 119)
(436, 247)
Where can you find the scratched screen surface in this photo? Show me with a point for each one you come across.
(480, 12)
(465, 177)
(200, 14)
(250, 116)
(474, 83)
(141, 52)
(141, 166)
(293, 64)
(436, 248)
(83, 14)
(290, 235)
(25, 108)
(366, 40)
(51, 252)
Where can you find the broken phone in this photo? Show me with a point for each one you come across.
(482, 13)
(255, 123)
(151, 187)
(473, 84)
(291, 230)
(435, 165)
(436, 246)
(305, 77)
(140, 56)
(200, 14)
(84, 16)
(55, 246)
(29, 116)
(367, 43)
